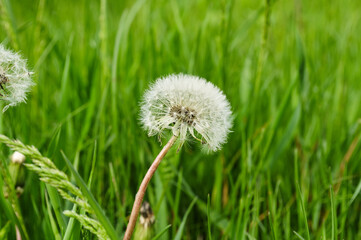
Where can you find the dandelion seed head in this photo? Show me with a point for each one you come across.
(188, 106)
(15, 78)
(147, 217)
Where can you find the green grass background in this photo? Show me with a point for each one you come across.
(291, 71)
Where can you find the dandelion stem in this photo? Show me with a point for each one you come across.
(143, 186)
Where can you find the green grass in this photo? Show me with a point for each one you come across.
(291, 167)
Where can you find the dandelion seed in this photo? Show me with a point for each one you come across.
(15, 79)
(188, 105)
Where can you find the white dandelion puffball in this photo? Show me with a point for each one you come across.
(15, 79)
(187, 105)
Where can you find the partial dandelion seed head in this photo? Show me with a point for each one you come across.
(147, 217)
(15, 78)
(188, 106)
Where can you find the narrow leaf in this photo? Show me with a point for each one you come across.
(93, 203)
(183, 223)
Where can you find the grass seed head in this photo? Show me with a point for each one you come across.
(15, 78)
(187, 105)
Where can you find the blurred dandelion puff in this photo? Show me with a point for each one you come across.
(15, 78)
(187, 105)
(145, 229)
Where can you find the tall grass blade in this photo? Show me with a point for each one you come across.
(161, 232)
(179, 234)
(93, 203)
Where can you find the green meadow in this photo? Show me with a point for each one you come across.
(291, 70)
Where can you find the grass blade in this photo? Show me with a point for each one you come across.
(54, 228)
(93, 203)
(209, 218)
(299, 195)
(12, 198)
(298, 235)
(71, 224)
(181, 227)
(162, 232)
(333, 215)
(357, 192)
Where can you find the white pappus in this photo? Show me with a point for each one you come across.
(187, 105)
(15, 79)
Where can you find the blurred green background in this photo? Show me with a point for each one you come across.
(290, 69)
